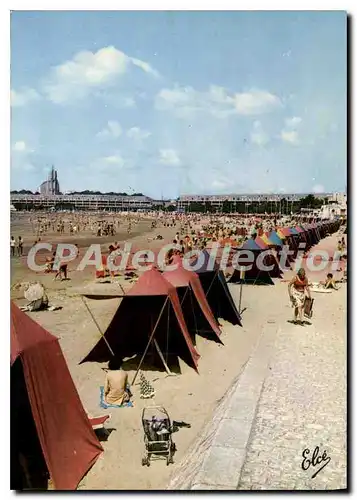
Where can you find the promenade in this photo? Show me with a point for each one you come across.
(303, 406)
(288, 401)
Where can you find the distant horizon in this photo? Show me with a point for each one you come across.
(168, 198)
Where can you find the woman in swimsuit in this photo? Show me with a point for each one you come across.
(298, 289)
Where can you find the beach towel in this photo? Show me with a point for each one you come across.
(105, 405)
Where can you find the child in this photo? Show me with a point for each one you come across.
(330, 282)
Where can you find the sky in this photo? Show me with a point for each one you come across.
(170, 103)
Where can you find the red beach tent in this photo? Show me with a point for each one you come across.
(41, 382)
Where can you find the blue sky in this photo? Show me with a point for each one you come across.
(179, 102)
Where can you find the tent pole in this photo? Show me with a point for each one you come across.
(183, 298)
(150, 340)
(240, 297)
(95, 322)
(121, 286)
(162, 357)
(209, 288)
(242, 277)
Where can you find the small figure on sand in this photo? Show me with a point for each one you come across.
(330, 283)
(20, 246)
(116, 387)
(12, 246)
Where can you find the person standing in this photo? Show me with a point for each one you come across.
(12, 246)
(20, 245)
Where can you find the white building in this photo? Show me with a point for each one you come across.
(338, 198)
(332, 210)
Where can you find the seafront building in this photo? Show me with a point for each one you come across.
(273, 203)
(81, 202)
(50, 198)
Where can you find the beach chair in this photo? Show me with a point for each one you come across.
(98, 422)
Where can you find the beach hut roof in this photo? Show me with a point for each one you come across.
(250, 244)
(181, 277)
(275, 239)
(261, 243)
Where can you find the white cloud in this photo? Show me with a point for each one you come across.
(290, 132)
(113, 129)
(145, 67)
(256, 102)
(258, 136)
(87, 71)
(21, 147)
(23, 97)
(290, 136)
(221, 184)
(318, 189)
(293, 122)
(169, 157)
(138, 133)
(184, 102)
(114, 160)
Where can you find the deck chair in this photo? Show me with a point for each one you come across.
(98, 422)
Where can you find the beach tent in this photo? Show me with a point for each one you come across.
(301, 235)
(307, 235)
(293, 241)
(293, 231)
(281, 235)
(288, 239)
(270, 259)
(216, 289)
(49, 426)
(278, 244)
(197, 312)
(274, 238)
(266, 240)
(254, 275)
(149, 314)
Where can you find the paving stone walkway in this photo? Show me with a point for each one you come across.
(302, 405)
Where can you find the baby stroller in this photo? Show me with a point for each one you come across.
(157, 435)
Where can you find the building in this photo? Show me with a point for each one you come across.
(333, 210)
(336, 206)
(339, 198)
(243, 203)
(111, 203)
(185, 202)
(51, 186)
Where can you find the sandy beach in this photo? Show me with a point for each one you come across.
(188, 397)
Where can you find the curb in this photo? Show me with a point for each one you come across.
(216, 459)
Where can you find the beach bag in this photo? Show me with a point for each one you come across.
(308, 307)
